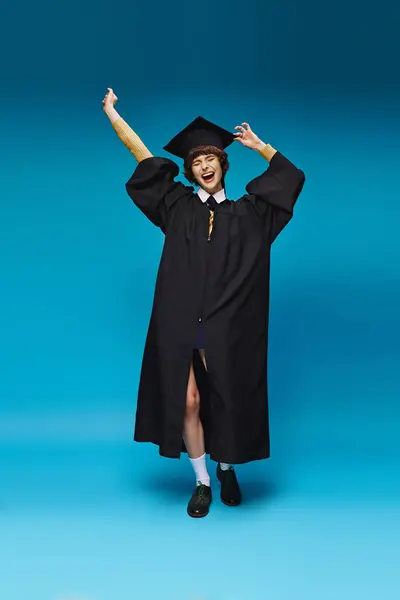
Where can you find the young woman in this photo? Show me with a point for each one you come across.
(203, 386)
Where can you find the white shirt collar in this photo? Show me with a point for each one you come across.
(204, 196)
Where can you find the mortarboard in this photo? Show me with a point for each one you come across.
(199, 132)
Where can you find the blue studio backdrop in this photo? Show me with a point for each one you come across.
(86, 512)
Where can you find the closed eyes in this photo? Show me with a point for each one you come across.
(209, 159)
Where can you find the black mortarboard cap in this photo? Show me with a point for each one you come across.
(199, 132)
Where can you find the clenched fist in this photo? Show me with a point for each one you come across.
(109, 101)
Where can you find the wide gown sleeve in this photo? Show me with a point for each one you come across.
(154, 191)
(274, 193)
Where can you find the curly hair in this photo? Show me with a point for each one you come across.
(200, 151)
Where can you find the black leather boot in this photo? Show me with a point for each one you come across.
(199, 504)
(230, 490)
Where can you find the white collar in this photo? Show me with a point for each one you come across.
(204, 196)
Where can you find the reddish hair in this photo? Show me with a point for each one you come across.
(205, 150)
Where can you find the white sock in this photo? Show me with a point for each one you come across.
(200, 469)
(224, 466)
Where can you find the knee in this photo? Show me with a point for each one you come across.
(192, 402)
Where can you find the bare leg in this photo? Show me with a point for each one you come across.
(193, 434)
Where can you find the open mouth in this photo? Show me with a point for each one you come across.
(208, 177)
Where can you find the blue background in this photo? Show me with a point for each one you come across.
(86, 513)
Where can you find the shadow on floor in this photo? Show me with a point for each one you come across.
(180, 487)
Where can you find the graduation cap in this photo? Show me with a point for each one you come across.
(199, 132)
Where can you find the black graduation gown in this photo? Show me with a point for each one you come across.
(224, 283)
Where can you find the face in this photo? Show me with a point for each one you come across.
(208, 173)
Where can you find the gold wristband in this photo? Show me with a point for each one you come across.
(267, 152)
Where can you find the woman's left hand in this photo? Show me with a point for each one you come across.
(247, 137)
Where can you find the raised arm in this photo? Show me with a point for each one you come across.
(275, 192)
(152, 186)
(125, 133)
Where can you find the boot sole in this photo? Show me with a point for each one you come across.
(229, 504)
(198, 516)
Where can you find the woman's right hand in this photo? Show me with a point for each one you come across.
(109, 101)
